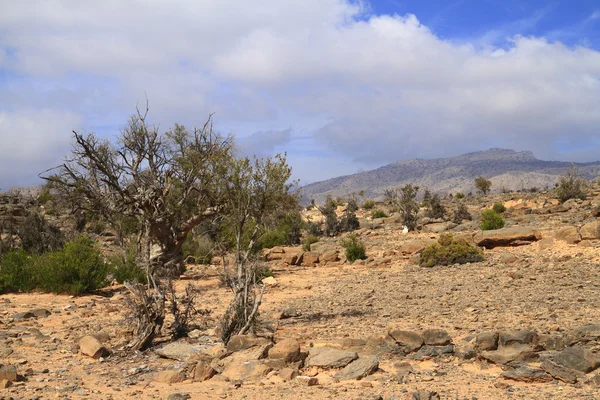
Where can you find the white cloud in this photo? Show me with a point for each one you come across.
(375, 88)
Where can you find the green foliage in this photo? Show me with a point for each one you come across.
(314, 228)
(491, 220)
(16, 275)
(349, 222)
(77, 268)
(368, 204)
(126, 268)
(44, 196)
(459, 195)
(97, 227)
(355, 249)
(499, 208)
(436, 209)
(571, 186)
(448, 251)
(404, 199)
(426, 198)
(461, 213)
(310, 239)
(483, 185)
(37, 236)
(378, 214)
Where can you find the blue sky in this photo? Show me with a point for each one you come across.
(340, 85)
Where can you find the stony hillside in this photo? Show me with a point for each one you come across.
(506, 169)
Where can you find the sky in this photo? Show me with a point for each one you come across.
(340, 85)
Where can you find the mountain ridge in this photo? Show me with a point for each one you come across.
(506, 168)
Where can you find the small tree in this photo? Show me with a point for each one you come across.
(405, 200)
(331, 219)
(349, 222)
(461, 213)
(571, 185)
(491, 220)
(426, 198)
(435, 208)
(483, 185)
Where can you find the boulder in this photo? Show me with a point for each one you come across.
(439, 227)
(243, 342)
(41, 313)
(287, 350)
(327, 357)
(414, 246)
(411, 341)
(570, 235)
(512, 236)
(203, 371)
(179, 350)
(578, 358)
(590, 231)
(307, 380)
(527, 374)
(358, 369)
(436, 337)
(310, 258)
(584, 334)
(169, 376)
(486, 341)
(552, 342)
(559, 372)
(249, 370)
(288, 374)
(330, 257)
(520, 352)
(91, 347)
(8, 373)
(510, 338)
(427, 351)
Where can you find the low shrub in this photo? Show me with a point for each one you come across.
(378, 214)
(571, 186)
(97, 227)
(16, 274)
(491, 220)
(125, 267)
(310, 239)
(449, 250)
(355, 249)
(499, 208)
(368, 205)
(77, 268)
(461, 213)
(199, 247)
(459, 195)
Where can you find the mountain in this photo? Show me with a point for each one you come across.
(507, 169)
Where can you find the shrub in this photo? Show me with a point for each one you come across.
(44, 196)
(483, 185)
(368, 204)
(378, 214)
(459, 195)
(436, 209)
(404, 200)
(37, 236)
(16, 274)
(449, 250)
(426, 198)
(571, 186)
(314, 228)
(97, 227)
(125, 267)
(461, 213)
(499, 208)
(355, 249)
(491, 220)
(77, 268)
(199, 247)
(309, 240)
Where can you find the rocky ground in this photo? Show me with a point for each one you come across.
(522, 324)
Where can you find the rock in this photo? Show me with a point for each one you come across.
(310, 258)
(330, 257)
(559, 372)
(513, 236)
(287, 350)
(203, 371)
(527, 374)
(41, 313)
(439, 227)
(486, 341)
(584, 334)
(307, 380)
(288, 374)
(578, 358)
(91, 347)
(521, 352)
(590, 231)
(358, 369)
(243, 342)
(414, 246)
(5, 383)
(432, 351)
(402, 369)
(509, 338)
(8, 373)
(270, 281)
(179, 350)
(289, 313)
(276, 253)
(247, 371)
(23, 316)
(169, 376)
(179, 396)
(326, 357)
(546, 243)
(594, 380)
(570, 235)
(436, 337)
(425, 395)
(552, 342)
(411, 341)
(508, 258)
(5, 352)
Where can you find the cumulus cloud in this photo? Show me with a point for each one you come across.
(373, 89)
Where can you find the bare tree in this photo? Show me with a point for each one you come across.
(168, 183)
(256, 190)
(404, 199)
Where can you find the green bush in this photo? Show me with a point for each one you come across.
(355, 249)
(459, 195)
(199, 247)
(77, 268)
(378, 214)
(44, 196)
(571, 186)
(309, 240)
(97, 227)
(37, 236)
(125, 268)
(16, 274)
(368, 204)
(435, 207)
(461, 213)
(491, 220)
(448, 251)
(499, 208)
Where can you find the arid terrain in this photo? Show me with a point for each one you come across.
(522, 324)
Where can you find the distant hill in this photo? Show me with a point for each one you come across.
(505, 168)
